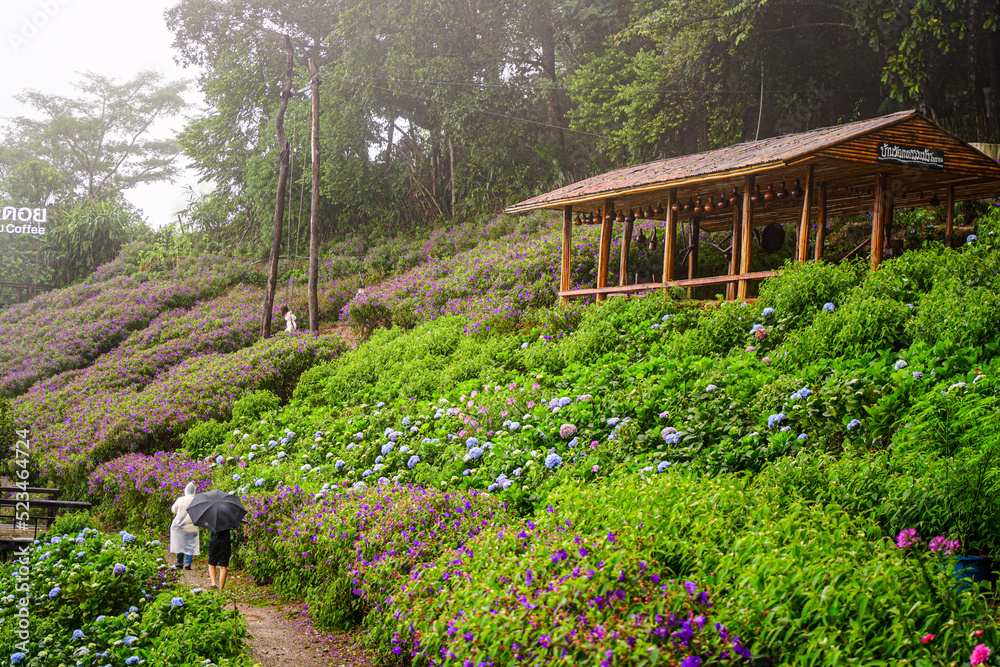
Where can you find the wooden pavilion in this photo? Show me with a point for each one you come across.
(868, 166)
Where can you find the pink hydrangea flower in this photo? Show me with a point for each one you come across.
(926, 639)
(536, 386)
(567, 431)
(980, 655)
(595, 469)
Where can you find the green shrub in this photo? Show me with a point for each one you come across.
(254, 404)
(202, 438)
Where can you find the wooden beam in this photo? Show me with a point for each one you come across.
(890, 210)
(645, 287)
(567, 245)
(734, 255)
(626, 246)
(878, 220)
(803, 237)
(604, 251)
(694, 233)
(746, 236)
(670, 238)
(821, 222)
(949, 216)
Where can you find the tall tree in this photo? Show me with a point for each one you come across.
(100, 140)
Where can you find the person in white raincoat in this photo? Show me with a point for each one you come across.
(183, 534)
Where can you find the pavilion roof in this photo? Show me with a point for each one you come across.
(846, 154)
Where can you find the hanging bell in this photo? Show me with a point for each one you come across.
(709, 206)
(797, 190)
(658, 211)
(755, 196)
(723, 202)
(578, 221)
(676, 207)
(690, 205)
(610, 217)
(650, 213)
(630, 218)
(770, 194)
(641, 239)
(782, 191)
(697, 206)
(734, 198)
(652, 241)
(642, 213)
(621, 216)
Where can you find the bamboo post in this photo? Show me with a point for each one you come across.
(734, 259)
(890, 210)
(821, 222)
(746, 236)
(670, 238)
(949, 220)
(604, 251)
(803, 239)
(694, 230)
(567, 242)
(626, 246)
(878, 220)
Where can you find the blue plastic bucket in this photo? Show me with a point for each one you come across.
(971, 568)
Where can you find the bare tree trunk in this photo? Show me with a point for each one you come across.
(279, 204)
(451, 167)
(392, 136)
(314, 208)
(993, 53)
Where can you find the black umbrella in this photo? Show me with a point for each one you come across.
(216, 511)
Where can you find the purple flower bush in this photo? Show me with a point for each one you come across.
(138, 490)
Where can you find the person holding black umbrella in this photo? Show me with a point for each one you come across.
(219, 513)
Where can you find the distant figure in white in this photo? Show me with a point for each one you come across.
(183, 533)
(289, 316)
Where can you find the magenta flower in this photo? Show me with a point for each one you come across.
(907, 538)
(980, 655)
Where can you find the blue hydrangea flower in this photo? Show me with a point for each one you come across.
(133, 609)
(755, 327)
(220, 459)
(54, 592)
(176, 602)
(475, 453)
(517, 472)
(971, 238)
(785, 429)
(236, 477)
(412, 462)
(359, 436)
(900, 365)
(100, 618)
(802, 436)
(282, 455)
(662, 466)
(367, 473)
(339, 463)
(917, 375)
(358, 486)
(524, 346)
(387, 447)
(55, 540)
(853, 424)
(767, 312)
(128, 641)
(466, 472)
(406, 421)
(259, 482)
(78, 635)
(710, 389)
(272, 443)
(564, 401)
(134, 660)
(553, 461)
(775, 419)
(471, 442)
(17, 658)
(513, 426)
(394, 436)
(613, 421)
(380, 404)
(492, 487)
(829, 307)
(119, 568)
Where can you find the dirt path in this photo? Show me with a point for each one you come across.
(281, 634)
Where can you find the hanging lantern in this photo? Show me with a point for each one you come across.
(676, 207)
(723, 202)
(755, 197)
(578, 221)
(642, 213)
(782, 191)
(770, 194)
(658, 211)
(709, 206)
(621, 216)
(650, 213)
(734, 197)
(797, 190)
(697, 206)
